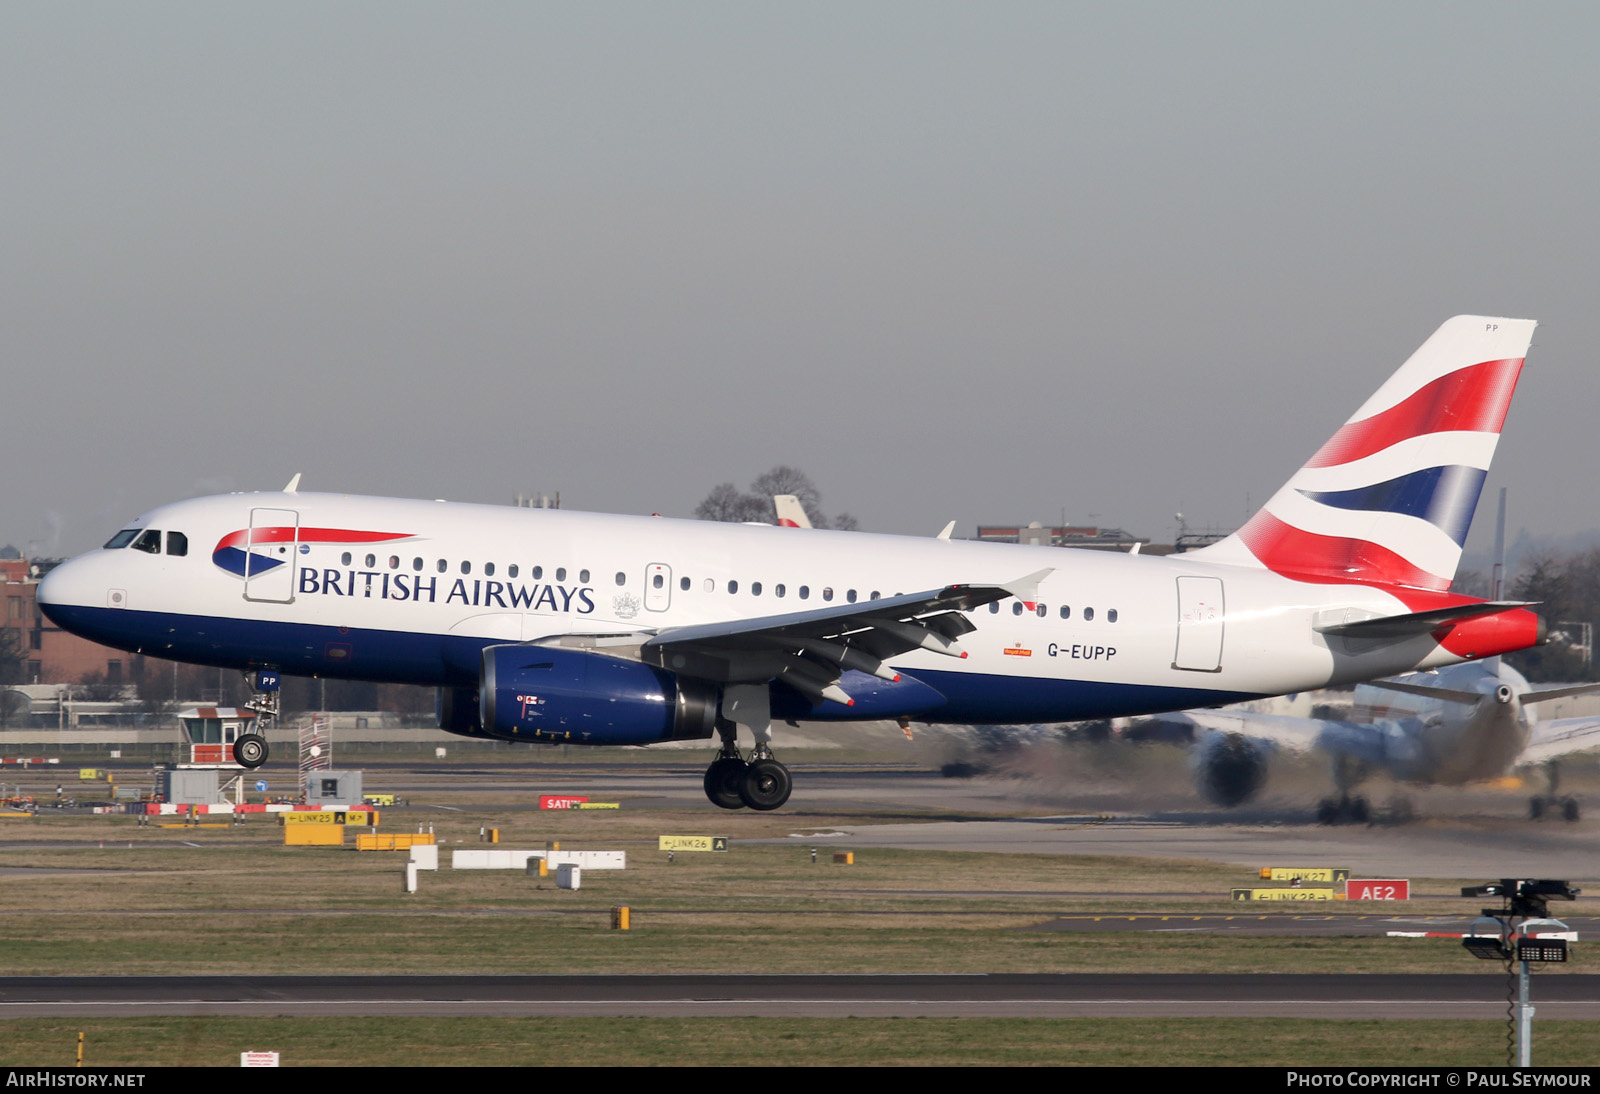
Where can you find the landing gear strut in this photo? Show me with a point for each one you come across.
(727, 771)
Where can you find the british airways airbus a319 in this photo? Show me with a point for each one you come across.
(551, 626)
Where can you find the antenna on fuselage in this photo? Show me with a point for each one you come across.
(294, 485)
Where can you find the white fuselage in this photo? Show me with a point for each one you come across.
(413, 591)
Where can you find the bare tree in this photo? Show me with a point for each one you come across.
(727, 503)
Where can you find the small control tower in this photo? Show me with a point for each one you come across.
(224, 738)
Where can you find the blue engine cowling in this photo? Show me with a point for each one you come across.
(457, 711)
(562, 696)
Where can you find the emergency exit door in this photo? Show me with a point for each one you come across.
(1200, 616)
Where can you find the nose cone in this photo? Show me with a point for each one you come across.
(53, 591)
(70, 591)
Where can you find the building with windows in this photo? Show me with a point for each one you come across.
(49, 654)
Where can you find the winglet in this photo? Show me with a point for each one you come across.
(1026, 589)
(294, 485)
(948, 528)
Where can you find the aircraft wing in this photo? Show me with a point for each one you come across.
(1283, 730)
(1560, 737)
(811, 650)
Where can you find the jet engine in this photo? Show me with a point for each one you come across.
(457, 710)
(1229, 768)
(546, 694)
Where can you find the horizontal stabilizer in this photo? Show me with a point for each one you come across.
(1449, 695)
(1559, 693)
(1415, 623)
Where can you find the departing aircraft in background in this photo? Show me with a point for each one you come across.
(1462, 724)
(551, 626)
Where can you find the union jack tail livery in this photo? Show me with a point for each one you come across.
(1388, 499)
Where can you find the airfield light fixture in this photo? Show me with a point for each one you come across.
(1513, 932)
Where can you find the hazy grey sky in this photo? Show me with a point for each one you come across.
(973, 261)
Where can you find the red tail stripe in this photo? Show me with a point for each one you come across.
(1473, 399)
(1327, 560)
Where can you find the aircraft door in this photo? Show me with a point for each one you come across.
(272, 555)
(657, 587)
(1200, 616)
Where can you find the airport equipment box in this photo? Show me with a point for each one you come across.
(189, 786)
(333, 786)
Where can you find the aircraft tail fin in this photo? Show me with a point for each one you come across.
(791, 514)
(1388, 499)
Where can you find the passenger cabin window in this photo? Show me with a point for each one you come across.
(466, 567)
(1111, 615)
(122, 539)
(827, 593)
(778, 590)
(511, 570)
(850, 596)
(177, 544)
(1016, 607)
(733, 586)
(416, 564)
(394, 562)
(1066, 612)
(150, 542)
(443, 566)
(994, 607)
(660, 582)
(561, 573)
(488, 569)
(538, 572)
(1088, 615)
(1042, 611)
(805, 592)
(683, 583)
(622, 579)
(344, 559)
(583, 577)
(755, 588)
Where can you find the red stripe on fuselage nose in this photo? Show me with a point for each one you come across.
(286, 534)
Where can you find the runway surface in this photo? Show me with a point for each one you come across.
(1018, 995)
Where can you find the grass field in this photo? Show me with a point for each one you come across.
(101, 895)
(785, 1042)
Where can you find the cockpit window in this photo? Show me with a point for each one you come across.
(150, 541)
(122, 539)
(177, 544)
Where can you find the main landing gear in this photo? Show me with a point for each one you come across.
(733, 782)
(1551, 805)
(1345, 809)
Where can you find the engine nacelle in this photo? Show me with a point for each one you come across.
(457, 711)
(546, 694)
(1229, 768)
